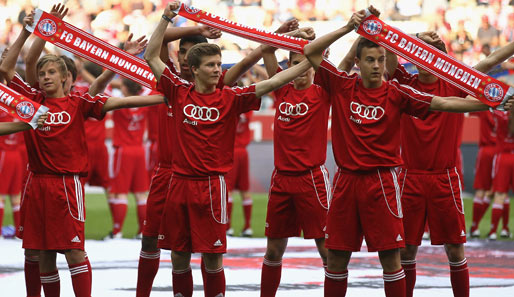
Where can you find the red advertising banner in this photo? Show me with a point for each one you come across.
(481, 86)
(259, 35)
(91, 48)
(20, 107)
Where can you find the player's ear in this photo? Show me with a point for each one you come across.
(357, 61)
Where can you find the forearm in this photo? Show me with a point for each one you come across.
(175, 33)
(152, 54)
(457, 104)
(132, 101)
(349, 60)
(235, 72)
(281, 78)
(270, 62)
(496, 58)
(31, 61)
(314, 50)
(13, 127)
(7, 69)
(100, 83)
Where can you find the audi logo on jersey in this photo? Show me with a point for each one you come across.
(58, 118)
(372, 113)
(289, 109)
(202, 113)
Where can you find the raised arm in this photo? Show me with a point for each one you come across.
(495, 58)
(458, 104)
(14, 127)
(314, 50)
(152, 54)
(349, 60)
(132, 101)
(172, 34)
(7, 69)
(281, 78)
(37, 47)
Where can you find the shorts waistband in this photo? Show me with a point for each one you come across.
(57, 174)
(365, 172)
(428, 172)
(195, 177)
(299, 173)
(164, 165)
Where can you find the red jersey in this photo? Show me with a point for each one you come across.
(488, 128)
(243, 133)
(505, 140)
(432, 143)
(366, 121)
(9, 142)
(129, 126)
(205, 124)
(300, 127)
(59, 147)
(153, 122)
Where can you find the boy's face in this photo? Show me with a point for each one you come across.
(372, 64)
(182, 60)
(305, 78)
(50, 79)
(209, 71)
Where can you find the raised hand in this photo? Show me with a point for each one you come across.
(170, 8)
(374, 11)
(356, 19)
(59, 10)
(210, 32)
(305, 33)
(288, 26)
(28, 20)
(430, 37)
(135, 47)
(41, 120)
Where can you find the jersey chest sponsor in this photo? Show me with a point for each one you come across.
(197, 113)
(288, 110)
(55, 119)
(365, 114)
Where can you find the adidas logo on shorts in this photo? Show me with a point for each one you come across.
(399, 238)
(218, 243)
(75, 239)
(462, 233)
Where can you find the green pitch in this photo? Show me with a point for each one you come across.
(98, 218)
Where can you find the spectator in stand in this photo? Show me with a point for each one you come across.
(507, 33)
(487, 34)
(461, 39)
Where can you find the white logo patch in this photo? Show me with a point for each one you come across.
(218, 243)
(75, 239)
(399, 238)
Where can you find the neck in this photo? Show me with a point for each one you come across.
(302, 86)
(427, 78)
(371, 84)
(57, 94)
(203, 88)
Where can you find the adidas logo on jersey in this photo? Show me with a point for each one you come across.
(462, 233)
(218, 243)
(399, 238)
(75, 239)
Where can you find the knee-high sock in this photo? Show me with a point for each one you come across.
(336, 283)
(409, 267)
(505, 214)
(394, 283)
(214, 282)
(1, 215)
(32, 277)
(495, 217)
(485, 205)
(247, 210)
(182, 282)
(270, 277)
(459, 277)
(477, 209)
(146, 271)
(141, 215)
(51, 283)
(119, 212)
(81, 278)
(16, 216)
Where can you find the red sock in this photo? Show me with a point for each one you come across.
(495, 217)
(394, 284)
(146, 271)
(336, 283)
(505, 214)
(477, 209)
(90, 272)
(16, 216)
(270, 277)
(81, 279)
(409, 267)
(141, 215)
(247, 210)
(485, 205)
(204, 275)
(182, 282)
(51, 283)
(459, 277)
(119, 213)
(32, 277)
(1, 216)
(214, 283)
(229, 211)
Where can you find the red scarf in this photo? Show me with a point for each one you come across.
(20, 107)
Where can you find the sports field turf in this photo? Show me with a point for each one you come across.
(98, 218)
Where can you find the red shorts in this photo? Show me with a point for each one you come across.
(11, 172)
(436, 196)
(129, 170)
(98, 174)
(298, 202)
(152, 157)
(156, 200)
(503, 172)
(365, 204)
(54, 212)
(484, 168)
(238, 178)
(195, 215)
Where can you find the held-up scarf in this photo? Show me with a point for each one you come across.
(20, 107)
(481, 86)
(91, 48)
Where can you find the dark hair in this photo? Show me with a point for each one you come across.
(198, 51)
(194, 39)
(70, 64)
(363, 42)
(132, 87)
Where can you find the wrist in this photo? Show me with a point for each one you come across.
(167, 18)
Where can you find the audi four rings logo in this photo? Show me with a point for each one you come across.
(289, 109)
(58, 118)
(367, 112)
(202, 113)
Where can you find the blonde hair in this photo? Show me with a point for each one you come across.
(61, 65)
(200, 50)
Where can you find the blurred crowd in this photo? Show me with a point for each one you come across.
(470, 28)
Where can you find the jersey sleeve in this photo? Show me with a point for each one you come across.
(413, 102)
(403, 76)
(92, 106)
(169, 84)
(18, 85)
(332, 79)
(244, 98)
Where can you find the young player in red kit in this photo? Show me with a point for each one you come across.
(366, 192)
(238, 178)
(53, 195)
(300, 187)
(205, 117)
(430, 181)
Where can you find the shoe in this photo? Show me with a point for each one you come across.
(475, 233)
(230, 232)
(247, 233)
(426, 236)
(492, 236)
(138, 236)
(113, 236)
(505, 233)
